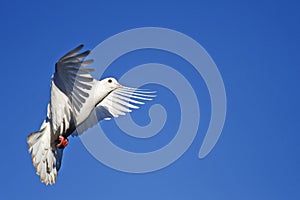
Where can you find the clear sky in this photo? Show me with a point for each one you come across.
(255, 45)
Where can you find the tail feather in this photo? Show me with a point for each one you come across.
(43, 156)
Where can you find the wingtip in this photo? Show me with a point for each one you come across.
(78, 48)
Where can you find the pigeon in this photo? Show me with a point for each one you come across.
(77, 102)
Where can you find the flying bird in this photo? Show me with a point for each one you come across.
(76, 98)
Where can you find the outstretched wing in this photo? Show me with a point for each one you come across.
(70, 88)
(118, 102)
(122, 100)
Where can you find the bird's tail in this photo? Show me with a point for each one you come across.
(43, 155)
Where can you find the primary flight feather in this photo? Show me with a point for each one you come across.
(74, 98)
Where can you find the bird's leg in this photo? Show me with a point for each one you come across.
(63, 142)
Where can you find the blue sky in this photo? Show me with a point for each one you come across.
(255, 45)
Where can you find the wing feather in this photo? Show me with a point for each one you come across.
(70, 87)
(118, 102)
(71, 53)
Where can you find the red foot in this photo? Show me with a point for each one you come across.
(63, 142)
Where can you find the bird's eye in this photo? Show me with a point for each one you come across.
(109, 80)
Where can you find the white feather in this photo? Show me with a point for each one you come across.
(43, 157)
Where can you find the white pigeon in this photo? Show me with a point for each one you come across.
(74, 97)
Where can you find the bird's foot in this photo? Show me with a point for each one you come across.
(63, 142)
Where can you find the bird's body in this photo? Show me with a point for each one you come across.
(74, 97)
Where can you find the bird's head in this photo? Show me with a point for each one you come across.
(111, 84)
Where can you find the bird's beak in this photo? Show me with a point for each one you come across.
(119, 85)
